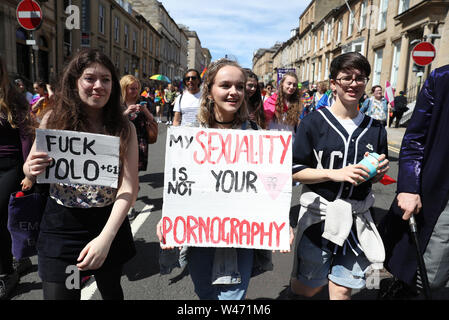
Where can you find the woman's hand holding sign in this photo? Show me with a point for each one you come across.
(36, 164)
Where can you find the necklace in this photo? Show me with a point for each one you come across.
(226, 122)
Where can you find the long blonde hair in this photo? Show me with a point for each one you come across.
(125, 82)
(295, 104)
(206, 114)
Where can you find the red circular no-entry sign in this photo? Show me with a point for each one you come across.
(29, 14)
(423, 53)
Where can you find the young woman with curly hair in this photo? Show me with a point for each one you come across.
(86, 226)
(283, 108)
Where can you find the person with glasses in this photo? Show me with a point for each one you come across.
(187, 104)
(377, 106)
(337, 240)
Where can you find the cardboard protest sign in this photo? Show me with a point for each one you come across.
(227, 188)
(79, 157)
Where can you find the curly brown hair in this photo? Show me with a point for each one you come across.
(295, 104)
(68, 112)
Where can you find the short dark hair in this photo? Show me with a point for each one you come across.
(349, 61)
(191, 70)
(375, 87)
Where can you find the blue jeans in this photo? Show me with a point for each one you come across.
(200, 262)
(318, 265)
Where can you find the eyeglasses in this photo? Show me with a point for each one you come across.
(348, 80)
(190, 78)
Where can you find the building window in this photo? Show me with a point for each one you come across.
(151, 43)
(116, 29)
(101, 17)
(117, 62)
(403, 6)
(326, 68)
(395, 64)
(363, 14)
(382, 20)
(67, 43)
(134, 41)
(350, 24)
(144, 39)
(126, 35)
(339, 30)
(322, 38)
(378, 55)
(126, 66)
(330, 27)
(319, 70)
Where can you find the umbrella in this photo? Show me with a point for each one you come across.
(160, 77)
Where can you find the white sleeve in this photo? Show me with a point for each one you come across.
(177, 107)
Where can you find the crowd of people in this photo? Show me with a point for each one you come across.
(334, 127)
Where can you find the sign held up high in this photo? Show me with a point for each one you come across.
(227, 188)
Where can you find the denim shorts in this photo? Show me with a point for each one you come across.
(318, 265)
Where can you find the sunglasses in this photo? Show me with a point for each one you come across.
(190, 78)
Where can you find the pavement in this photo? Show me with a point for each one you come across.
(394, 136)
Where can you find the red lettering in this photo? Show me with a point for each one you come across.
(240, 149)
(191, 228)
(176, 231)
(224, 235)
(166, 229)
(245, 233)
(212, 233)
(201, 133)
(251, 150)
(263, 234)
(209, 145)
(285, 145)
(203, 227)
(225, 148)
(234, 230)
(278, 232)
(271, 146)
(255, 229)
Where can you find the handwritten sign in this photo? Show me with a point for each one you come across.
(227, 188)
(79, 157)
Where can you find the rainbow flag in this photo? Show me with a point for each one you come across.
(203, 73)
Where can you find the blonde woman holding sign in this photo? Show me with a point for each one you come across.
(221, 273)
(84, 229)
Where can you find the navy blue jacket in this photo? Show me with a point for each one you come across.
(423, 169)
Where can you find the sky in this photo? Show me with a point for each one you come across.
(237, 28)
